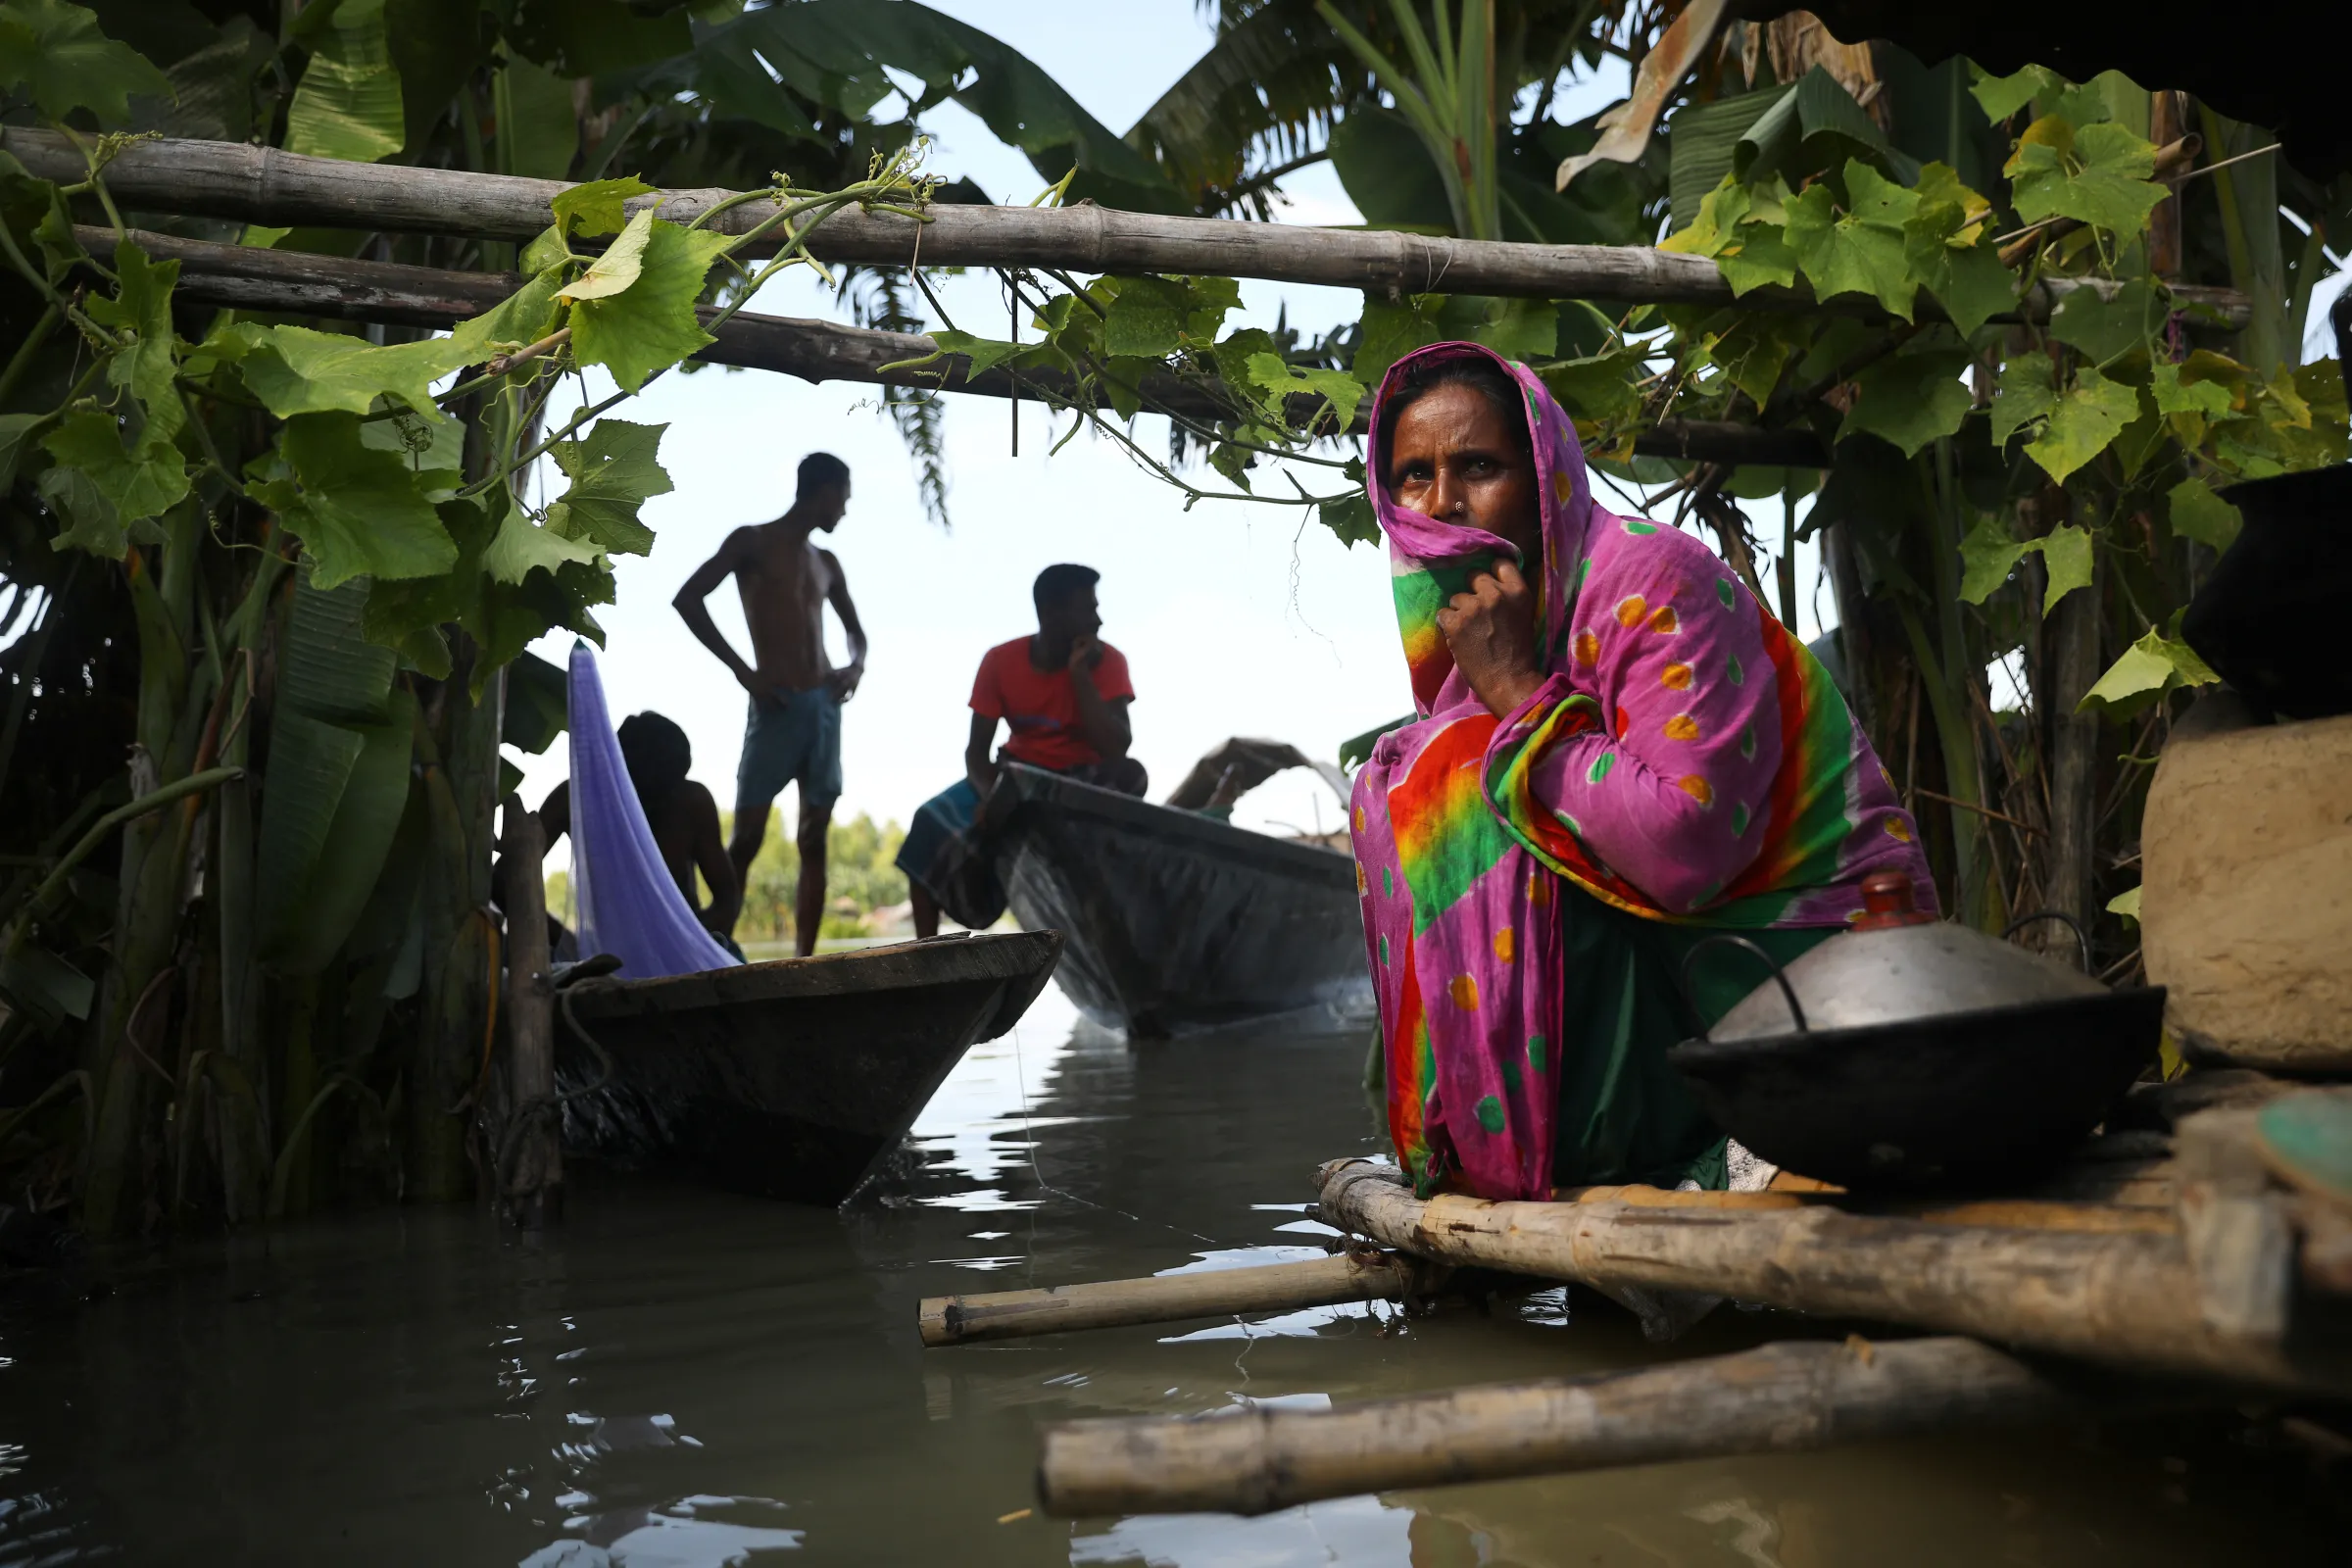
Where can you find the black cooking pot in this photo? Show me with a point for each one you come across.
(1915, 1053)
(2270, 618)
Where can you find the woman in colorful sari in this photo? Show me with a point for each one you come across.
(1617, 754)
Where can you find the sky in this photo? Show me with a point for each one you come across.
(1236, 619)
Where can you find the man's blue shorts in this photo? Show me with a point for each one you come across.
(791, 738)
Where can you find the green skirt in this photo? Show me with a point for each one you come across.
(1624, 1114)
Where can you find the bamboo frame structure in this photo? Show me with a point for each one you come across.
(2123, 1297)
(1785, 1398)
(1170, 1298)
(251, 278)
(267, 186)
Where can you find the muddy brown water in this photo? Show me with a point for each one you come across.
(680, 1379)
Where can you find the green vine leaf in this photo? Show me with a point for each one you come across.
(2066, 554)
(1862, 250)
(358, 512)
(621, 264)
(1350, 521)
(348, 103)
(2108, 328)
(295, 370)
(147, 363)
(2150, 668)
(135, 482)
(57, 54)
(15, 430)
(1391, 332)
(2026, 395)
(1338, 390)
(1519, 329)
(614, 472)
(1760, 257)
(522, 547)
(650, 325)
(1144, 318)
(2097, 174)
(1910, 399)
(2002, 96)
(2092, 412)
(1599, 388)
(598, 207)
(522, 319)
(1987, 556)
(984, 352)
(2194, 512)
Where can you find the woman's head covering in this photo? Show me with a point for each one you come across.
(1432, 561)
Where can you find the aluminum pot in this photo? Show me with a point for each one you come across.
(1912, 1052)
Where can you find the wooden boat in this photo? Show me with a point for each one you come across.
(789, 1079)
(1176, 920)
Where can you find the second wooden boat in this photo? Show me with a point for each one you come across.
(789, 1079)
(1176, 920)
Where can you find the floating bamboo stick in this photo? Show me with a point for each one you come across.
(265, 185)
(252, 279)
(1781, 1398)
(1169, 1297)
(2124, 1298)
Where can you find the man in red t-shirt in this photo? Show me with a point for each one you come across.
(1063, 695)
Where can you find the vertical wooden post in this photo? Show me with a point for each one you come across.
(529, 1148)
(2071, 639)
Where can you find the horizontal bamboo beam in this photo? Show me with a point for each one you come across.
(1785, 1398)
(265, 185)
(2125, 1298)
(293, 282)
(1167, 1298)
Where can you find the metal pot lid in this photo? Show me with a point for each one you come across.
(1899, 965)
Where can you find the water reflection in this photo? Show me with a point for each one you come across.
(682, 1378)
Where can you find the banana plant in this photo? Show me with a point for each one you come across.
(1445, 91)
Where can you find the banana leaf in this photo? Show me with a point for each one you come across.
(44, 987)
(351, 858)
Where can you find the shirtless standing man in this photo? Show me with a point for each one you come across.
(793, 733)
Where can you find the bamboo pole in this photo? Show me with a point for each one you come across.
(1785, 1398)
(1169, 1297)
(531, 1170)
(265, 185)
(2125, 1298)
(251, 278)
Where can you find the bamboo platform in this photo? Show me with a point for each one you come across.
(2162, 1268)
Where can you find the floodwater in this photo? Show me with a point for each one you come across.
(678, 1379)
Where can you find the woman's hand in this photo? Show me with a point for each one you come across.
(1491, 632)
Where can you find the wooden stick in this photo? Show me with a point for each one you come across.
(534, 1179)
(2125, 1298)
(264, 185)
(1782, 1398)
(2008, 1213)
(252, 279)
(1169, 1297)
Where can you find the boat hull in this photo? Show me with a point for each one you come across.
(1176, 922)
(789, 1079)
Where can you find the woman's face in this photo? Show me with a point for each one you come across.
(1453, 457)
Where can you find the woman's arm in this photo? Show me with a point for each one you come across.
(1673, 787)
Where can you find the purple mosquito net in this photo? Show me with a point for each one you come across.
(629, 906)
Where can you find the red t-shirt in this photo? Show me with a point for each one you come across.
(1040, 706)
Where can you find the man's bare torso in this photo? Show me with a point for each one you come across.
(784, 579)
